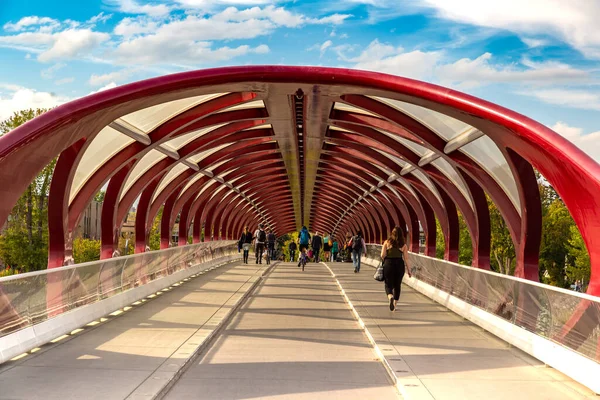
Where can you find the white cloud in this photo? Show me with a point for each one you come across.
(567, 98)
(383, 57)
(335, 19)
(64, 81)
(160, 50)
(99, 18)
(62, 45)
(129, 27)
(99, 80)
(589, 143)
(325, 46)
(110, 85)
(133, 7)
(278, 16)
(178, 40)
(183, 39)
(532, 42)
(26, 22)
(21, 98)
(463, 73)
(48, 73)
(208, 4)
(71, 43)
(471, 73)
(574, 21)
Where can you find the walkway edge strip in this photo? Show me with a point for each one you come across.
(386, 363)
(41, 334)
(215, 324)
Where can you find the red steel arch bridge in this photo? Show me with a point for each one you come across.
(335, 150)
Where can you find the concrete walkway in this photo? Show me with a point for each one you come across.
(134, 353)
(446, 356)
(294, 338)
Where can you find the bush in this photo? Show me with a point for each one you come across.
(85, 250)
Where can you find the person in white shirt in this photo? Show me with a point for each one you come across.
(260, 237)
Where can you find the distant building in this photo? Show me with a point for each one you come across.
(89, 225)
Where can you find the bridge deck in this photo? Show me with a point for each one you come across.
(294, 338)
(446, 356)
(133, 352)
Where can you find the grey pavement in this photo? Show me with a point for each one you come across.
(294, 338)
(446, 356)
(116, 358)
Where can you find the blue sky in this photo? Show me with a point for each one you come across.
(538, 57)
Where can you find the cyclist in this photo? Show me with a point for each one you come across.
(303, 240)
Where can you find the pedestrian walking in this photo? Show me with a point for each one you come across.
(260, 238)
(357, 246)
(317, 245)
(327, 244)
(394, 254)
(246, 243)
(292, 249)
(335, 249)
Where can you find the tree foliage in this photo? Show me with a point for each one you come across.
(502, 254)
(154, 237)
(24, 242)
(465, 246)
(556, 233)
(85, 250)
(99, 197)
(285, 241)
(578, 267)
(440, 242)
(563, 257)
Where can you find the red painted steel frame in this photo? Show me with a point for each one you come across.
(67, 131)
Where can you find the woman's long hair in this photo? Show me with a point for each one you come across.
(396, 238)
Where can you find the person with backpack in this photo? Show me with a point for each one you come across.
(357, 244)
(303, 241)
(270, 245)
(394, 256)
(292, 249)
(260, 238)
(245, 243)
(317, 244)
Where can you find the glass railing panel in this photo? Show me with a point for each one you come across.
(31, 298)
(569, 318)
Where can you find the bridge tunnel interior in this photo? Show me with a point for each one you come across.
(334, 150)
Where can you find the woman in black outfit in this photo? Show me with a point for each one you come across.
(394, 254)
(246, 243)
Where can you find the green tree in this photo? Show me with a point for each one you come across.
(440, 243)
(24, 243)
(154, 237)
(503, 254)
(127, 245)
(578, 266)
(285, 240)
(556, 232)
(465, 245)
(85, 250)
(100, 196)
